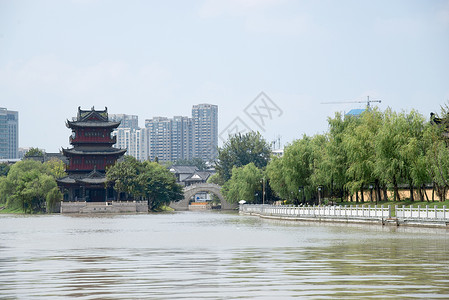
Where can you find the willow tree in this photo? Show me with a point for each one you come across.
(336, 153)
(359, 142)
(240, 150)
(245, 184)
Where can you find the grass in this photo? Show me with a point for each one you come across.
(164, 208)
(10, 210)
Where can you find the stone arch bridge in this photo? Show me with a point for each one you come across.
(191, 190)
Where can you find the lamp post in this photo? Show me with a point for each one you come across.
(263, 191)
(319, 195)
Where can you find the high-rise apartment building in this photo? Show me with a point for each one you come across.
(9, 134)
(171, 139)
(126, 121)
(205, 131)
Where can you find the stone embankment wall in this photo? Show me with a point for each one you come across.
(105, 207)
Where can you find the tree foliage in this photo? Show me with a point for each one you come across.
(27, 186)
(376, 151)
(197, 162)
(240, 150)
(245, 184)
(34, 152)
(146, 181)
(4, 169)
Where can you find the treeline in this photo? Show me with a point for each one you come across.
(376, 152)
(30, 186)
(148, 181)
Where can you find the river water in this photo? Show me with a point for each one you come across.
(213, 255)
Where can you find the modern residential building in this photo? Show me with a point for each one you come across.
(126, 121)
(171, 139)
(205, 131)
(9, 134)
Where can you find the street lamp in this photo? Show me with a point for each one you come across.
(319, 195)
(263, 191)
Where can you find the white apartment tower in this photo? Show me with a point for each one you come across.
(205, 131)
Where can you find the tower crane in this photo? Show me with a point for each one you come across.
(368, 101)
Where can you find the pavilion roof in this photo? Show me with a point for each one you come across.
(93, 151)
(93, 124)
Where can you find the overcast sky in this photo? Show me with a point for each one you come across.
(158, 58)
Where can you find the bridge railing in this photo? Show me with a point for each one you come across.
(363, 211)
(422, 213)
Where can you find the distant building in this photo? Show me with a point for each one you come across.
(170, 139)
(189, 175)
(355, 112)
(9, 134)
(126, 121)
(205, 131)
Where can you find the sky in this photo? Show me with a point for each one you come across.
(269, 65)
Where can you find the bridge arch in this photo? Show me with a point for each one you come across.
(191, 190)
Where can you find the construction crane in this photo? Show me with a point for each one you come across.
(368, 101)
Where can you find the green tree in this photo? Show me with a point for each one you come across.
(413, 151)
(34, 152)
(27, 186)
(437, 156)
(240, 150)
(359, 142)
(53, 197)
(275, 173)
(389, 167)
(297, 168)
(216, 179)
(245, 184)
(158, 186)
(197, 162)
(336, 154)
(56, 168)
(145, 181)
(4, 169)
(124, 175)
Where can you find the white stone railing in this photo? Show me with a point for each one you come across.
(366, 212)
(422, 213)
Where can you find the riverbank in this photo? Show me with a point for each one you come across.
(382, 215)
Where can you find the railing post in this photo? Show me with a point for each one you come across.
(419, 211)
(444, 211)
(427, 211)
(435, 211)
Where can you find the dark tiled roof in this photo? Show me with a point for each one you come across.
(93, 177)
(183, 169)
(94, 151)
(198, 176)
(105, 124)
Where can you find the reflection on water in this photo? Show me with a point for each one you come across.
(216, 256)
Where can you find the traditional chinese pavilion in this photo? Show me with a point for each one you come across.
(91, 154)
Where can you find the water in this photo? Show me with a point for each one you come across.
(209, 255)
